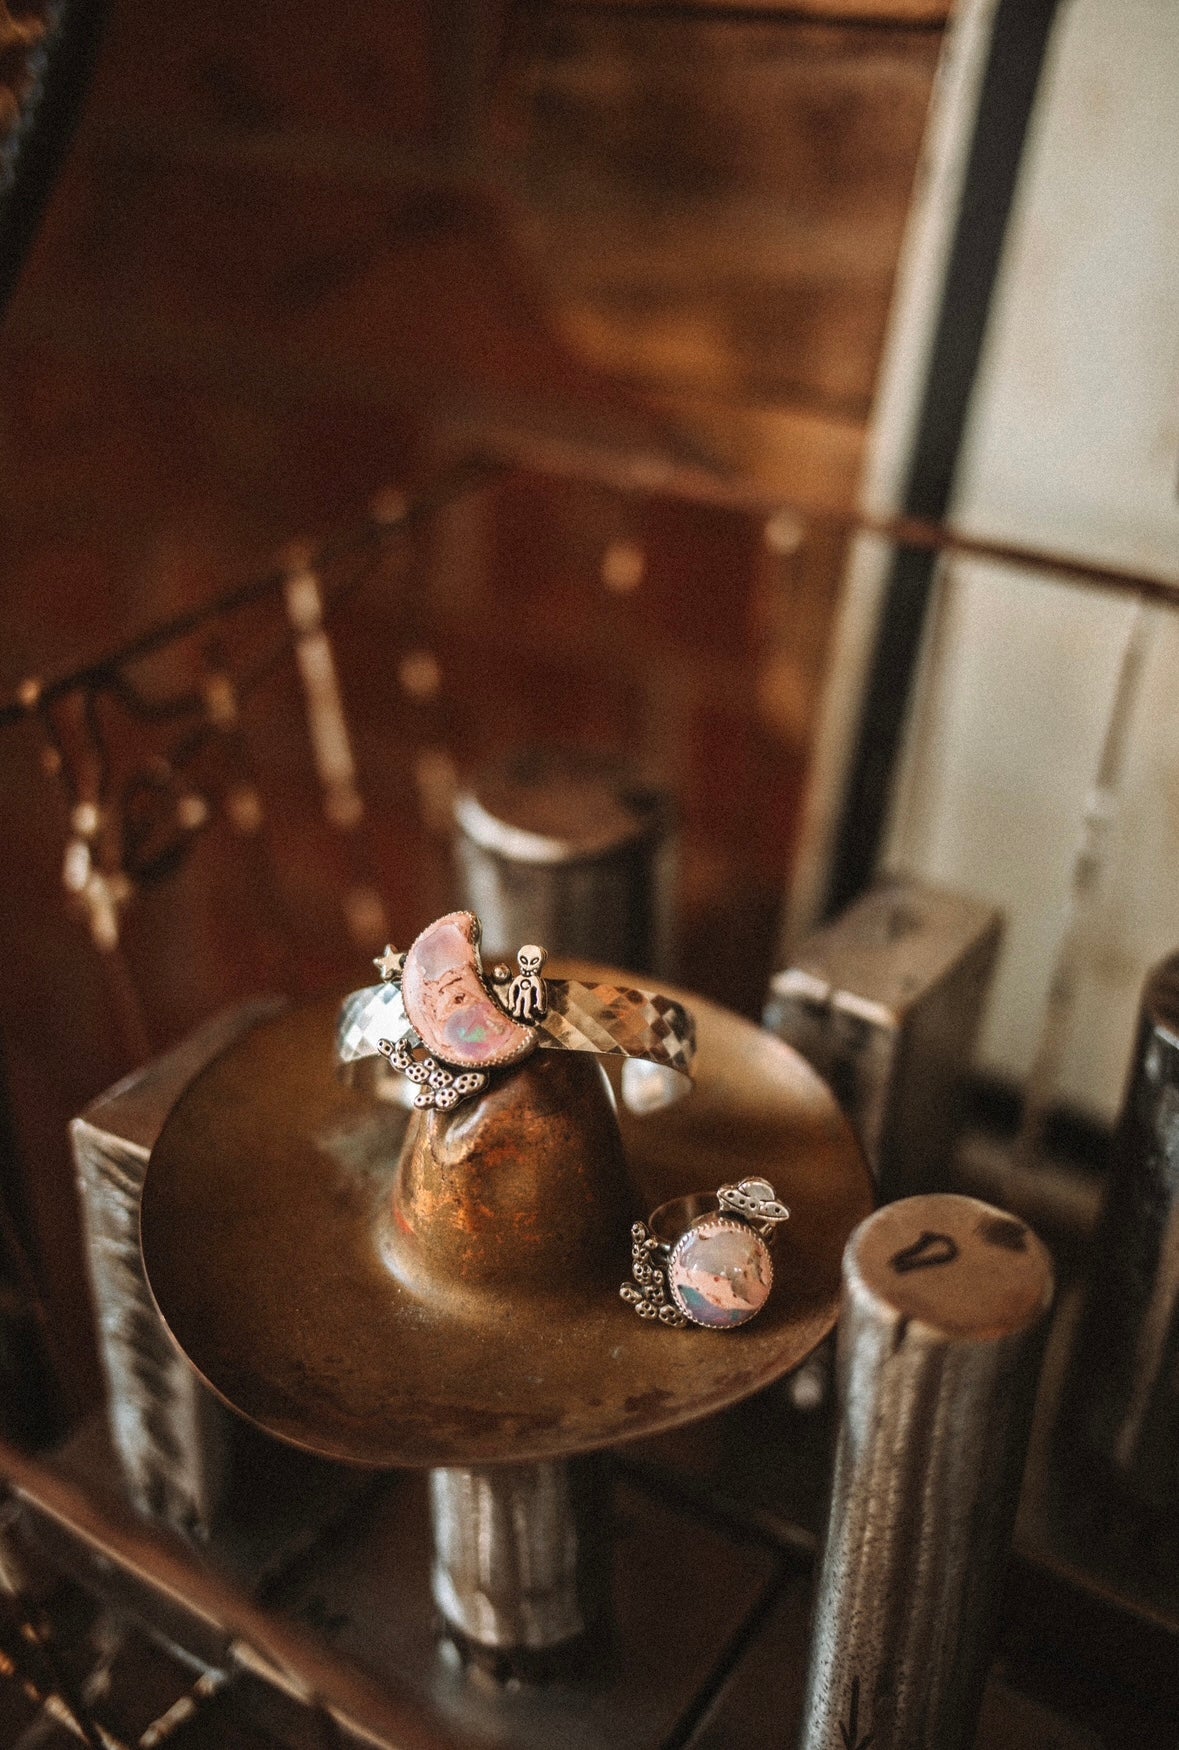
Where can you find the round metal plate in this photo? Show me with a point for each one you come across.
(258, 1238)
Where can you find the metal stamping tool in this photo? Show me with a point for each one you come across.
(570, 850)
(885, 1002)
(941, 1327)
(1123, 1402)
(169, 1432)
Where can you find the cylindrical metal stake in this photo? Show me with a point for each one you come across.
(560, 849)
(569, 850)
(1123, 1404)
(944, 1303)
(518, 1552)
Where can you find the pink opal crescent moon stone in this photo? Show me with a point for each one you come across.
(456, 1016)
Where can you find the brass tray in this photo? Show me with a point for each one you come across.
(259, 1220)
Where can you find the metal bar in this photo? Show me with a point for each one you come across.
(519, 1552)
(1122, 1405)
(169, 1432)
(571, 851)
(885, 1002)
(626, 470)
(634, 471)
(1019, 35)
(944, 1304)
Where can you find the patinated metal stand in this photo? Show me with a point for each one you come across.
(442, 1292)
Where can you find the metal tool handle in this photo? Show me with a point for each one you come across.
(944, 1304)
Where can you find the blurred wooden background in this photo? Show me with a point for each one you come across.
(297, 256)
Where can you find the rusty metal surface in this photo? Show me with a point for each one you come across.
(268, 1196)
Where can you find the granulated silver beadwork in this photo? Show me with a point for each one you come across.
(446, 1025)
(705, 1260)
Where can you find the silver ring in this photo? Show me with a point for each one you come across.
(705, 1259)
(446, 1025)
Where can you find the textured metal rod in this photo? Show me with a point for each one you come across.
(582, 456)
(169, 1434)
(885, 1001)
(944, 1304)
(567, 849)
(1122, 1408)
(370, 537)
(518, 1558)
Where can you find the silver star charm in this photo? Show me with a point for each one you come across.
(390, 963)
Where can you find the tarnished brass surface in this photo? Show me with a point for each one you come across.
(267, 1203)
(524, 1193)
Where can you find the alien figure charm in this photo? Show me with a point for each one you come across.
(528, 999)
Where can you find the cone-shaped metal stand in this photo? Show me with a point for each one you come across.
(520, 1553)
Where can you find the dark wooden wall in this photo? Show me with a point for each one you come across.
(296, 254)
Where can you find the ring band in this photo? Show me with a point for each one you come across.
(705, 1259)
(436, 997)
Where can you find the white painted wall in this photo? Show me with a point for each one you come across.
(1072, 444)
(932, 223)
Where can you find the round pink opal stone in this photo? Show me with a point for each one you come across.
(720, 1273)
